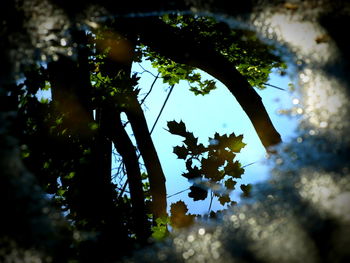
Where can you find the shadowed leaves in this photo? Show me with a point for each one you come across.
(210, 167)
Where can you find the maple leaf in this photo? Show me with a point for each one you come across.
(177, 128)
(197, 193)
(234, 169)
(181, 152)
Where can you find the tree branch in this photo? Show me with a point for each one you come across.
(126, 149)
(161, 110)
(149, 155)
(181, 47)
(134, 112)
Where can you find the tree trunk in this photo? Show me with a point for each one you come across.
(91, 195)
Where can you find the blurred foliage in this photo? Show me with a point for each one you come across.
(160, 230)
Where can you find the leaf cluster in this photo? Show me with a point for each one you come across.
(172, 72)
(210, 167)
(253, 58)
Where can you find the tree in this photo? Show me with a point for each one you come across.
(67, 142)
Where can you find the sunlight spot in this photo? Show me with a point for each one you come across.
(188, 254)
(279, 161)
(201, 231)
(304, 77)
(190, 238)
(63, 42)
(299, 111)
(323, 124)
(295, 101)
(241, 216)
(92, 24)
(326, 194)
(233, 218)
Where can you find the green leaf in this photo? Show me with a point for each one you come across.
(59, 121)
(160, 231)
(235, 143)
(60, 192)
(44, 101)
(161, 221)
(46, 165)
(70, 175)
(25, 154)
(93, 126)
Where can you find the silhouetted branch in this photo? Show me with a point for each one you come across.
(273, 86)
(149, 155)
(161, 110)
(151, 88)
(181, 47)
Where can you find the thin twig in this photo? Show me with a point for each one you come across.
(123, 189)
(178, 193)
(145, 70)
(273, 86)
(161, 110)
(211, 201)
(249, 164)
(150, 90)
(143, 100)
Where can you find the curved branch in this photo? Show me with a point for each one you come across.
(125, 147)
(145, 144)
(182, 48)
(129, 104)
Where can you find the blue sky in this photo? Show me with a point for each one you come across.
(205, 115)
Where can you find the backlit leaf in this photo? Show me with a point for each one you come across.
(177, 128)
(181, 152)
